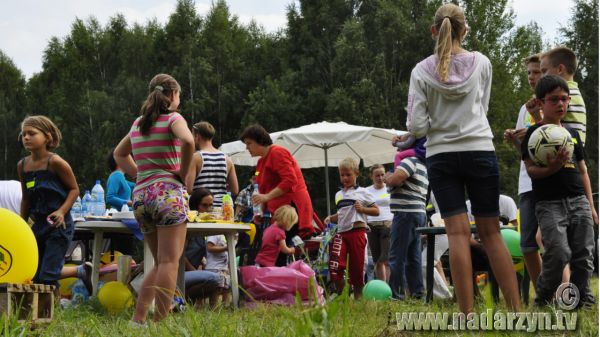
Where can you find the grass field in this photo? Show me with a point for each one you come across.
(339, 317)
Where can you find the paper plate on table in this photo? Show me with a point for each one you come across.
(123, 215)
(218, 221)
(97, 217)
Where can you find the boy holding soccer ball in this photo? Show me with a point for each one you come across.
(564, 206)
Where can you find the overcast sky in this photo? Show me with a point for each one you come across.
(26, 26)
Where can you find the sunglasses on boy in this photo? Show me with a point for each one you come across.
(555, 99)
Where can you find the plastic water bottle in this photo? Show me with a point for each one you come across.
(227, 207)
(98, 200)
(86, 204)
(256, 208)
(76, 209)
(80, 293)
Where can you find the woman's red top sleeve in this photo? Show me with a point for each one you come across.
(279, 169)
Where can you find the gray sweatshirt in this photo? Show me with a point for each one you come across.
(451, 114)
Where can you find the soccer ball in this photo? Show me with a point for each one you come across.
(547, 140)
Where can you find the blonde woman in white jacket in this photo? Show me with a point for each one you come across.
(448, 102)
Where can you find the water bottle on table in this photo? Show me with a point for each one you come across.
(86, 204)
(76, 209)
(256, 208)
(98, 200)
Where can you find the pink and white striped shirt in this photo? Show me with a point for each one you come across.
(158, 153)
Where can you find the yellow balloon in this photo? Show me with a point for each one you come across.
(251, 232)
(115, 297)
(18, 249)
(108, 258)
(66, 284)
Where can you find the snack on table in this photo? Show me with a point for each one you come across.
(195, 216)
(205, 216)
(191, 215)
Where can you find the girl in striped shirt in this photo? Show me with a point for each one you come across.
(162, 147)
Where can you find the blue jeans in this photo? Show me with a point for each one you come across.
(405, 254)
(529, 222)
(201, 277)
(200, 284)
(52, 243)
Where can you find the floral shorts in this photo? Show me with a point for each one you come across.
(159, 205)
(224, 277)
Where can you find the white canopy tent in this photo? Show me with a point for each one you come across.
(325, 144)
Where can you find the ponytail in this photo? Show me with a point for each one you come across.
(161, 87)
(450, 23)
(443, 48)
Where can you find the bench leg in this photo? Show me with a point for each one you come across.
(429, 277)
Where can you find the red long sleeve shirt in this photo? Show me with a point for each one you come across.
(279, 169)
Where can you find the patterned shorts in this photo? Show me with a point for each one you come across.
(224, 277)
(159, 205)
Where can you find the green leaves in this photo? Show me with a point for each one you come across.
(12, 111)
(335, 60)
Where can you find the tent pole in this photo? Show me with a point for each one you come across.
(327, 183)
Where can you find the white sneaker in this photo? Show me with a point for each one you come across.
(137, 325)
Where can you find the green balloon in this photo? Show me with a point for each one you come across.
(377, 290)
(512, 238)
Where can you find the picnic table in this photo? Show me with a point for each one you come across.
(99, 227)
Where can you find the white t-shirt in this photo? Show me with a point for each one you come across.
(216, 261)
(382, 200)
(347, 214)
(507, 207)
(524, 121)
(10, 195)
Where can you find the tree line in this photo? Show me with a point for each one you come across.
(336, 60)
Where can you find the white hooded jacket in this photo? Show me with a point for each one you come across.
(452, 114)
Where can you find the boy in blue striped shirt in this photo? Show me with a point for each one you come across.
(408, 194)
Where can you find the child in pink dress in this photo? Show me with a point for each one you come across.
(273, 240)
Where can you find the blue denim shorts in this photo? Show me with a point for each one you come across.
(451, 173)
(529, 222)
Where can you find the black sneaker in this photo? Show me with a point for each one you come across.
(539, 302)
(87, 277)
(587, 302)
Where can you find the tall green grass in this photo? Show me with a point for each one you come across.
(341, 316)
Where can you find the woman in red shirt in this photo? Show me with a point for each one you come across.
(280, 181)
